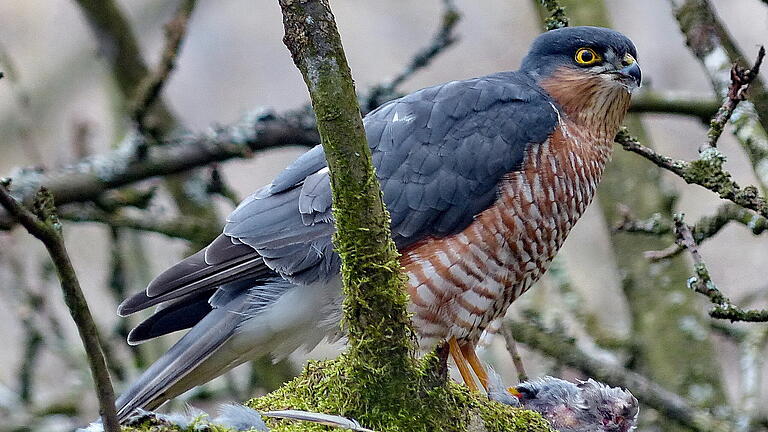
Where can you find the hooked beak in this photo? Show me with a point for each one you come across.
(633, 74)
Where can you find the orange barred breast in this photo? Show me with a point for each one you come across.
(459, 283)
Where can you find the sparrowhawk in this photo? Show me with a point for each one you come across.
(483, 179)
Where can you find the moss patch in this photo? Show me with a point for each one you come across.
(431, 405)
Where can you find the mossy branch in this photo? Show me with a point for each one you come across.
(44, 224)
(706, 171)
(375, 317)
(702, 283)
(712, 45)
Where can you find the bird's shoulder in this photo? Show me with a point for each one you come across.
(430, 115)
(439, 155)
(440, 152)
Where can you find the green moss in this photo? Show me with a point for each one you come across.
(431, 405)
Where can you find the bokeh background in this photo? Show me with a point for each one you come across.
(233, 61)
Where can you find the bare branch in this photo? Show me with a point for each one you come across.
(509, 341)
(151, 86)
(90, 178)
(702, 283)
(564, 350)
(651, 102)
(44, 225)
(705, 228)
(442, 39)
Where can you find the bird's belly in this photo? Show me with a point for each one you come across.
(460, 283)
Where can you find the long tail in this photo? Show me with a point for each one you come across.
(272, 317)
(172, 374)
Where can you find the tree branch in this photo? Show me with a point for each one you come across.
(151, 86)
(442, 39)
(564, 350)
(710, 42)
(706, 171)
(702, 283)
(44, 225)
(705, 228)
(89, 178)
(741, 78)
(379, 329)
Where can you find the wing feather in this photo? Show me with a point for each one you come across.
(439, 155)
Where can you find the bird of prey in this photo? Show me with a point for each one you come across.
(588, 406)
(483, 179)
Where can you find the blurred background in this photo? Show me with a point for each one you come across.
(61, 103)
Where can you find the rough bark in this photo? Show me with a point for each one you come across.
(375, 314)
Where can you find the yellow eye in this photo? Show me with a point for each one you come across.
(587, 56)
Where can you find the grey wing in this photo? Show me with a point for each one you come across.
(439, 155)
(184, 290)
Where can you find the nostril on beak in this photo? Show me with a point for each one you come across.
(633, 71)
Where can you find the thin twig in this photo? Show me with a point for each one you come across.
(706, 171)
(705, 228)
(149, 90)
(442, 39)
(44, 225)
(564, 350)
(702, 282)
(509, 340)
(741, 78)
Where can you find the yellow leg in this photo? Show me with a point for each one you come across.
(461, 363)
(469, 353)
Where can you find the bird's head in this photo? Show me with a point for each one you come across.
(588, 406)
(616, 408)
(589, 71)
